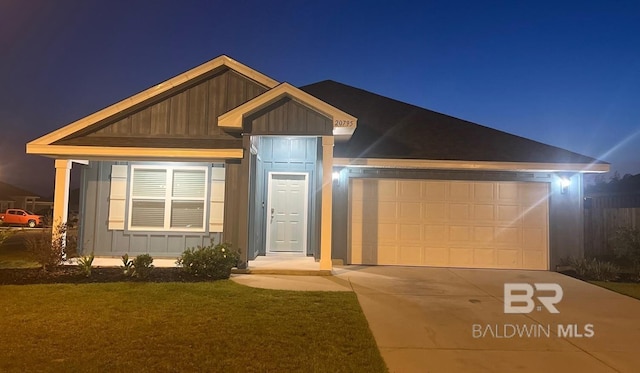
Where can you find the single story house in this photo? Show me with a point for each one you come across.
(224, 152)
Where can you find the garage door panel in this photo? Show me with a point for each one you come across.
(460, 233)
(484, 192)
(533, 259)
(436, 256)
(484, 257)
(460, 191)
(509, 235)
(536, 216)
(509, 258)
(534, 237)
(411, 211)
(386, 211)
(410, 232)
(409, 190)
(507, 192)
(449, 223)
(483, 212)
(382, 232)
(460, 257)
(483, 235)
(387, 254)
(434, 191)
(435, 211)
(459, 211)
(508, 213)
(410, 254)
(436, 233)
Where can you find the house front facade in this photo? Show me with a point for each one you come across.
(225, 153)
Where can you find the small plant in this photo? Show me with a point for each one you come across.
(142, 266)
(127, 265)
(46, 250)
(594, 269)
(85, 264)
(214, 261)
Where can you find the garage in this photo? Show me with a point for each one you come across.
(449, 223)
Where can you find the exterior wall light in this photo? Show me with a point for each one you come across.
(565, 182)
(335, 176)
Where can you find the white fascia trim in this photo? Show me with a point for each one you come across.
(233, 119)
(471, 165)
(93, 152)
(153, 92)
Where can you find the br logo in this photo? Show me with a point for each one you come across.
(518, 297)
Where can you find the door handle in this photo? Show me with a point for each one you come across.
(273, 212)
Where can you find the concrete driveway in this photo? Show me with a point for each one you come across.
(423, 321)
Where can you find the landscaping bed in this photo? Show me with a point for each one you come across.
(68, 274)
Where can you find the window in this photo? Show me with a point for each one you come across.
(166, 198)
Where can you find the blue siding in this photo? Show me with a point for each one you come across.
(96, 238)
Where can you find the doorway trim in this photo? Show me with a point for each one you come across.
(305, 228)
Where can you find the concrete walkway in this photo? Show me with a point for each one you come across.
(423, 320)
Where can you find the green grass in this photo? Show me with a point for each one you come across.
(627, 288)
(13, 251)
(205, 327)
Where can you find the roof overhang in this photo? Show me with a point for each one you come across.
(344, 124)
(472, 165)
(43, 145)
(133, 153)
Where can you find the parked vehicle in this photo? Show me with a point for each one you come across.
(20, 217)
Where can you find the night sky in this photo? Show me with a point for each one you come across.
(566, 73)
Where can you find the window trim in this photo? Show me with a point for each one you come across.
(168, 199)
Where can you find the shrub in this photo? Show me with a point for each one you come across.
(213, 261)
(85, 264)
(47, 252)
(594, 269)
(142, 266)
(626, 245)
(127, 265)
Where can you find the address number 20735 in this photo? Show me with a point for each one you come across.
(343, 123)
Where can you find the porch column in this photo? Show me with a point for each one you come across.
(327, 200)
(61, 193)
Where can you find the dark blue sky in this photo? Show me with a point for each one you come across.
(564, 73)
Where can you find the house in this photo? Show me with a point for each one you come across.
(224, 152)
(12, 197)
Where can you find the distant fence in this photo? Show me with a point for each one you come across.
(603, 215)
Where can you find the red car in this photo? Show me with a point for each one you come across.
(20, 217)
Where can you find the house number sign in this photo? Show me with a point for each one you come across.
(344, 123)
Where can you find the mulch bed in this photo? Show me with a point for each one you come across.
(71, 275)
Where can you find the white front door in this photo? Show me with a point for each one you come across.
(287, 212)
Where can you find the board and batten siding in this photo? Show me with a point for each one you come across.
(103, 229)
(185, 113)
(288, 117)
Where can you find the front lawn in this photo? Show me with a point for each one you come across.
(155, 327)
(13, 252)
(631, 289)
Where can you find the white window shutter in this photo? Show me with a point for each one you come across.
(216, 209)
(117, 197)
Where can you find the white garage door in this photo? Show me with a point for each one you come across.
(445, 223)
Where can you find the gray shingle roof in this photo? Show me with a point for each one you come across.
(388, 128)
